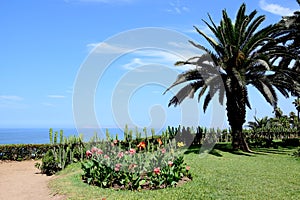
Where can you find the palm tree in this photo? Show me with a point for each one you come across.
(297, 105)
(241, 56)
(290, 36)
(278, 112)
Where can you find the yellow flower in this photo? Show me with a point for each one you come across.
(180, 144)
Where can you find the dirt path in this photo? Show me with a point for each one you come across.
(22, 181)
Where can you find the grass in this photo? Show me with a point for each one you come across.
(222, 174)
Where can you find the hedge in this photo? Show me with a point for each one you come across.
(21, 152)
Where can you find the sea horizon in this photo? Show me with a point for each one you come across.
(41, 135)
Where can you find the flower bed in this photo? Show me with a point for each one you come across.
(146, 166)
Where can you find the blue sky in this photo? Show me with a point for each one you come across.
(44, 44)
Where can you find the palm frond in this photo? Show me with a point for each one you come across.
(187, 91)
(187, 76)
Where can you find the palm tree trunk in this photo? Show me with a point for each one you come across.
(298, 109)
(236, 113)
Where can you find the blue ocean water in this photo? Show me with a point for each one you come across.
(41, 135)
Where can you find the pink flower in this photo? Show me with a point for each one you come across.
(99, 151)
(120, 154)
(106, 156)
(94, 149)
(88, 153)
(119, 165)
(170, 163)
(115, 141)
(187, 168)
(132, 151)
(126, 152)
(163, 151)
(156, 170)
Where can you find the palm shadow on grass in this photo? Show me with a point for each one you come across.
(217, 150)
(226, 147)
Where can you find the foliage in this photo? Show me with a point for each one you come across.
(61, 154)
(23, 151)
(263, 131)
(146, 166)
(49, 164)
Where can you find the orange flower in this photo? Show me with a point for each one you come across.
(159, 141)
(142, 145)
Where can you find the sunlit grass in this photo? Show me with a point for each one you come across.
(267, 174)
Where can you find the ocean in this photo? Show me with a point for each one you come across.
(41, 135)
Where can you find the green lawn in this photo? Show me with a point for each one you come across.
(267, 174)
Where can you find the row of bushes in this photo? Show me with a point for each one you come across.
(21, 152)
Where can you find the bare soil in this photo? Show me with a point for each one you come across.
(23, 181)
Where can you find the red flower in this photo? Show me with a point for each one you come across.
(187, 168)
(132, 151)
(156, 170)
(142, 145)
(88, 153)
(170, 163)
(159, 141)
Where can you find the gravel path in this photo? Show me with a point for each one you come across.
(22, 181)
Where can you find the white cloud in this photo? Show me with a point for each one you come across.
(10, 98)
(105, 48)
(275, 8)
(136, 62)
(177, 8)
(160, 57)
(54, 96)
(12, 102)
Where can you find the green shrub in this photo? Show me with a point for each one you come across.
(60, 155)
(49, 164)
(23, 151)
